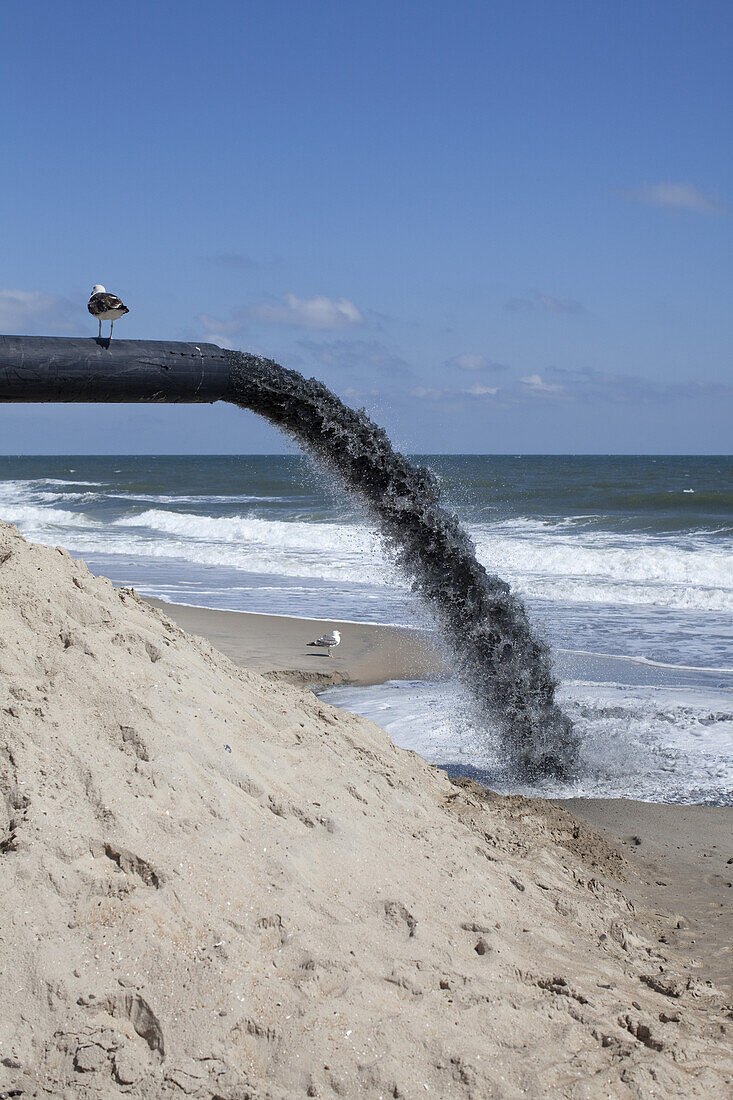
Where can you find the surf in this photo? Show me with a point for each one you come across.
(493, 648)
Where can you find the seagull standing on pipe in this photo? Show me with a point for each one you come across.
(328, 641)
(105, 307)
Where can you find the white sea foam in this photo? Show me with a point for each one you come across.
(34, 521)
(198, 498)
(651, 743)
(543, 560)
(645, 559)
(64, 482)
(299, 535)
(29, 484)
(647, 661)
(328, 551)
(595, 569)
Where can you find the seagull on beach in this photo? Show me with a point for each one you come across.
(328, 641)
(105, 307)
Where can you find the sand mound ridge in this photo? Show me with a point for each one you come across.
(213, 885)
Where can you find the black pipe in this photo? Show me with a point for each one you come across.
(496, 652)
(60, 368)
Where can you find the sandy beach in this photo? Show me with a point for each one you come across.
(216, 885)
(679, 854)
(369, 654)
(683, 862)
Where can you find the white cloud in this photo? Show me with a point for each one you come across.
(430, 393)
(675, 196)
(533, 384)
(471, 362)
(577, 385)
(427, 393)
(21, 310)
(545, 303)
(219, 331)
(481, 391)
(318, 313)
(591, 386)
(358, 355)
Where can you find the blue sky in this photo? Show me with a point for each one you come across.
(501, 227)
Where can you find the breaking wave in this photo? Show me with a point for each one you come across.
(541, 560)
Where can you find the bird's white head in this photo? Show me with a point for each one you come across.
(97, 289)
(337, 635)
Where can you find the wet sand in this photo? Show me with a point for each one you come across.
(678, 854)
(368, 654)
(683, 856)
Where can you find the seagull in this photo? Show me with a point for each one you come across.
(105, 307)
(328, 641)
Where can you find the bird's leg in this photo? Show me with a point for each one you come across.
(111, 326)
(100, 328)
(330, 654)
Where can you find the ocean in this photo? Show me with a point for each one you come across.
(625, 564)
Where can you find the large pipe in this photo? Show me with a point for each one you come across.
(61, 368)
(497, 655)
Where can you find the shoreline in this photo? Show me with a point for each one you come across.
(677, 854)
(368, 654)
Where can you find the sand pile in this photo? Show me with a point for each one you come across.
(214, 885)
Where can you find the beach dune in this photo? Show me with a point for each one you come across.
(213, 884)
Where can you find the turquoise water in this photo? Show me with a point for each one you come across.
(630, 558)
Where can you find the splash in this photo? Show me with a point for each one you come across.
(493, 648)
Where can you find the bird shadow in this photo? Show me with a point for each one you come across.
(103, 341)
